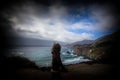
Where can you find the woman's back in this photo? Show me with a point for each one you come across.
(56, 61)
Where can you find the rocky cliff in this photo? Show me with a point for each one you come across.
(82, 50)
(104, 49)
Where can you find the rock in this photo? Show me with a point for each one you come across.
(68, 52)
(82, 50)
(104, 49)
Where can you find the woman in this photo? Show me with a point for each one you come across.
(56, 60)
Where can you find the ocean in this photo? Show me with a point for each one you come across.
(42, 55)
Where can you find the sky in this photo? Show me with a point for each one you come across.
(61, 22)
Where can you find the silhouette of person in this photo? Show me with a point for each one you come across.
(56, 62)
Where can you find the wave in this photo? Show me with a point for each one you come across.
(75, 60)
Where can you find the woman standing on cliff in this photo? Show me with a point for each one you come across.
(56, 62)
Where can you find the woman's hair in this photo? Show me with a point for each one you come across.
(56, 47)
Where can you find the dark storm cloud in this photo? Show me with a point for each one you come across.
(42, 8)
(19, 14)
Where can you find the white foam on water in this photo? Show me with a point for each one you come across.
(75, 60)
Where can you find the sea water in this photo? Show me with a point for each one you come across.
(42, 55)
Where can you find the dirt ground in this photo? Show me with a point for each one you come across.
(83, 71)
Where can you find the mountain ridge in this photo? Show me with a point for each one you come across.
(80, 43)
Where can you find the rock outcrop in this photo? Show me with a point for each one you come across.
(82, 50)
(104, 49)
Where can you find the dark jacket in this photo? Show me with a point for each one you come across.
(56, 61)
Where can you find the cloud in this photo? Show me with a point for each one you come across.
(50, 22)
(42, 29)
(83, 26)
(104, 14)
(98, 18)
